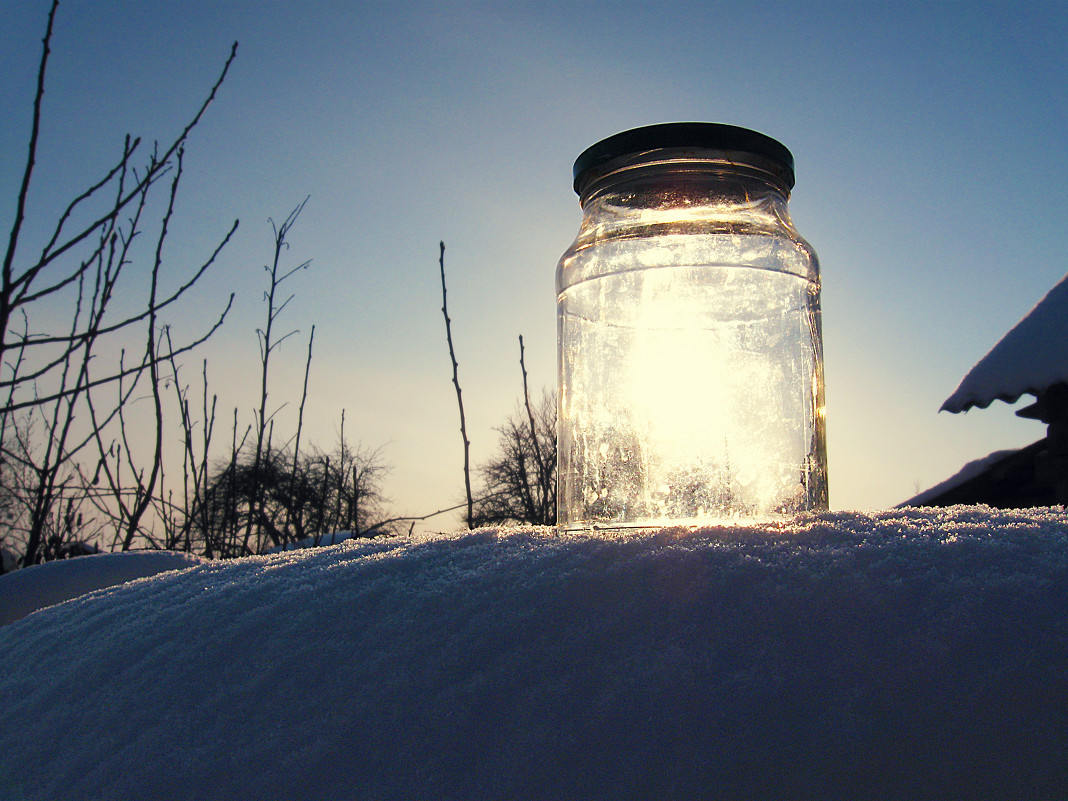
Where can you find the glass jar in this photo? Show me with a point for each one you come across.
(690, 349)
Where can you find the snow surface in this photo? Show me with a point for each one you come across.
(908, 654)
(321, 541)
(1030, 358)
(32, 588)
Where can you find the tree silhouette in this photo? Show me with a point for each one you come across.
(519, 481)
(51, 381)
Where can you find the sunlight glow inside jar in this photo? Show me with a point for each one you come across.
(690, 353)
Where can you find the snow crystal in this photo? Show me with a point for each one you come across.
(903, 654)
(320, 541)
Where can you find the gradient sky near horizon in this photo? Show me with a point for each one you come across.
(932, 180)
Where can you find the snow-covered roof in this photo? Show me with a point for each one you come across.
(1032, 357)
(970, 470)
(912, 653)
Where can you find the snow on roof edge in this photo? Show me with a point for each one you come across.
(1030, 358)
(983, 404)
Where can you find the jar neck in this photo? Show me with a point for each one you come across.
(669, 196)
(688, 177)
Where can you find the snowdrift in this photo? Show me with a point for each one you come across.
(905, 654)
(32, 588)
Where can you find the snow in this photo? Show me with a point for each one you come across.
(969, 471)
(907, 654)
(24, 591)
(316, 542)
(1030, 358)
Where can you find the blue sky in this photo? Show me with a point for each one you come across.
(929, 142)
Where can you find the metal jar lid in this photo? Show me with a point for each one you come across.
(675, 136)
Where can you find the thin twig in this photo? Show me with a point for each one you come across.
(417, 518)
(459, 394)
(543, 468)
(298, 518)
(153, 357)
(20, 206)
(123, 372)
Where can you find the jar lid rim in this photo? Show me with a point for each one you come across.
(701, 135)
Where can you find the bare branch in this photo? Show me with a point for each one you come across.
(146, 489)
(459, 394)
(159, 306)
(119, 169)
(122, 373)
(154, 172)
(298, 512)
(544, 473)
(20, 206)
